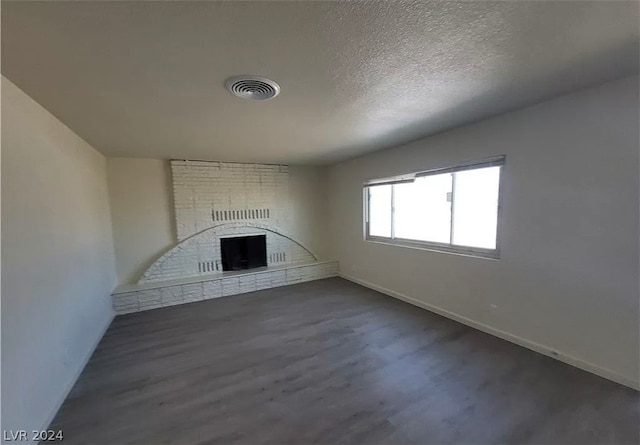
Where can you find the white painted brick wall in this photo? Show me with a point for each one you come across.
(207, 193)
(217, 199)
(174, 294)
(186, 259)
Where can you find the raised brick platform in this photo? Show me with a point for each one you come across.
(143, 297)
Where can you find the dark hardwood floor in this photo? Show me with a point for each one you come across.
(330, 362)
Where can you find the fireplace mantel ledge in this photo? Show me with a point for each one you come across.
(125, 288)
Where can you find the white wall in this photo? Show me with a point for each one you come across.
(57, 259)
(143, 217)
(141, 212)
(568, 276)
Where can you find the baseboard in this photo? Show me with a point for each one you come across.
(73, 381)
(542, 349)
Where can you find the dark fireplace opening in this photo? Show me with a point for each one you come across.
(243, 252)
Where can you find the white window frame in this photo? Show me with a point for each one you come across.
(497, 161)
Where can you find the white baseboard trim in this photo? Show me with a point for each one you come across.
(542, 349)
(77, 373)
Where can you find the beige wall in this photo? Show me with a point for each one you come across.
(310, 219)
(140, 193)
(568, 277)
(141, 212)
(57, 259)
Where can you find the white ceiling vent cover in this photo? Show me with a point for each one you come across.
(252, 87)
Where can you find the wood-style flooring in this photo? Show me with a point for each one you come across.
(330, 362)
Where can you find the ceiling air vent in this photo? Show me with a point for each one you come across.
(252, 87)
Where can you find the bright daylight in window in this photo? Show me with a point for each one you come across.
(453, 209)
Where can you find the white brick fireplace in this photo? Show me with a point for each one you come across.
(216, 200)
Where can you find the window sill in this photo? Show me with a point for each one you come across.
(487, 254)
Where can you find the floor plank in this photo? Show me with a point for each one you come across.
(330, 362)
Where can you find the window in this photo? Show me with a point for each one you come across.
(453, 209)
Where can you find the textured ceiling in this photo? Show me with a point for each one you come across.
(146, 79)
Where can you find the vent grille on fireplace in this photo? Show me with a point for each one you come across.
(277, 257)
(242, 215)
(209, 266)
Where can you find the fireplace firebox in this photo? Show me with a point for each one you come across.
(243, 252)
